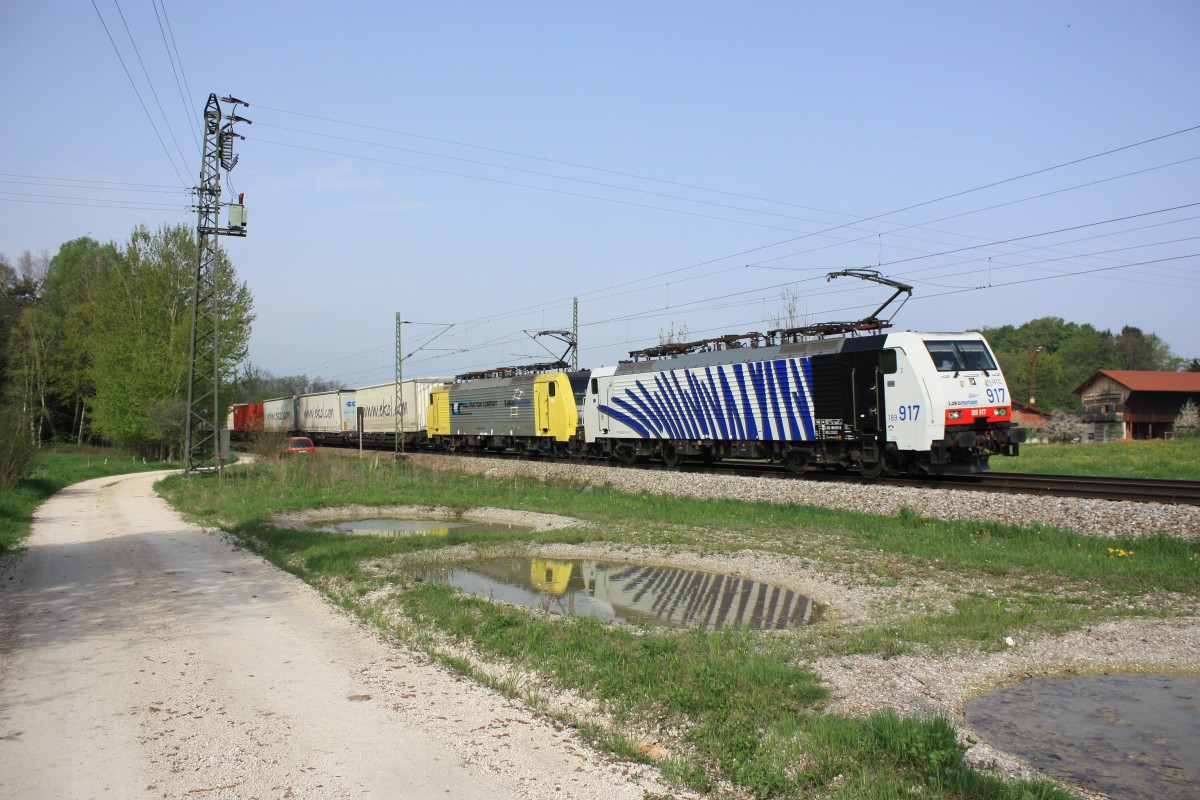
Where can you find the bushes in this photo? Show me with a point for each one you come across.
(1065, 429)
(17, 451)
(268, 445)
(1187, 424)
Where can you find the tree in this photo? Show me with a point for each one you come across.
(1187, 423)
(46, 330)
(18, 291)
(790, 315)
(141, 336)
(673, 336)
(255, 384)
(17, 453)
(1065, 429)
(1144, 351)
(1070, 353)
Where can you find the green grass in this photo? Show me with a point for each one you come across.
(742, 706)
(57, 470)
(1176, 459)
(1051, 579)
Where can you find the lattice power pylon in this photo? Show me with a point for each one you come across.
(201, 446)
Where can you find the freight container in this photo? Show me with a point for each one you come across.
(279, 415)
(327, 417)
(376, 409)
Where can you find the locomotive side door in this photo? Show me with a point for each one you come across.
(906, 406)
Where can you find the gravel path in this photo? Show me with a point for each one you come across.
(141, 656)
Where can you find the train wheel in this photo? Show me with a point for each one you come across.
(670, 455)
(870, 469)
(796, 461)
(627, 455)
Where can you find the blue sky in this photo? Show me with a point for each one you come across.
(478, 164)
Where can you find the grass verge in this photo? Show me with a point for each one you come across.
(739, 711)
(1175, 459)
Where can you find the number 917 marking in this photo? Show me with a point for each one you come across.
(910, 413)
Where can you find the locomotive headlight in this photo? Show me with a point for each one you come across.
(954, 415)
(1001, 412)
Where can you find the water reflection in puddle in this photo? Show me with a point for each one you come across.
(631, 593)
(1129, 736)
(379, 526)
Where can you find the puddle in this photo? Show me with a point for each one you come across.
(376, 526)
(1129, 736)
(629, 593)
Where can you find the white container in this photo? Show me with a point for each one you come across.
(279, 414)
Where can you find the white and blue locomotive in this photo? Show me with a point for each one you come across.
(882, 403)
(895, 402)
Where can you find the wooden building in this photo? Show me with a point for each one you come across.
(1134, 404)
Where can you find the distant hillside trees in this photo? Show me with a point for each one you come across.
(254, 384)
(100, 347)
(1070, 353)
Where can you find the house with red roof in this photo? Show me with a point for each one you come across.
(1135, 404)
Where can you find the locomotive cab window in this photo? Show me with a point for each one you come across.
(969, 355)
(550, 390)
(888, 363)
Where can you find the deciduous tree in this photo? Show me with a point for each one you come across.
(141, 322)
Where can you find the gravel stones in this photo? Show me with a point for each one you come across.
(1102, 518)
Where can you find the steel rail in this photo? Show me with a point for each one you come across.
(1136, 490)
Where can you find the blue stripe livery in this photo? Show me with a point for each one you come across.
(763, 400)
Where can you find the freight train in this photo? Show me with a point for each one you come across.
(867, 401)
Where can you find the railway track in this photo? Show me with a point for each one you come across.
(1137, 490)
(1141, 490)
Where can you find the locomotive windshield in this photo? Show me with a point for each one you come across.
(970, 355)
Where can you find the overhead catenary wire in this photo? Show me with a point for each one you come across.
(150, 83)
(518, 184)
(173, 57)
(641, 281)
(133, 85)
(84, 203)
(855, 220)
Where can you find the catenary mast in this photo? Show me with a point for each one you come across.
(202, 449)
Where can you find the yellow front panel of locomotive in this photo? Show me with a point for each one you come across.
(554, 408)
(438, 419)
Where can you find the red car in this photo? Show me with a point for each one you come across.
(299, 444)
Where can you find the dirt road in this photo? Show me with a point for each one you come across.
(141, 656)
